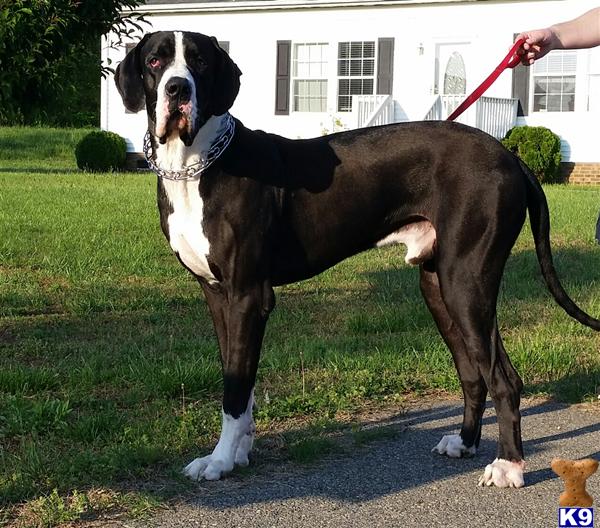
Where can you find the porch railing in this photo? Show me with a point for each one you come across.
(436, 111)
(372, 110)
(494, 115)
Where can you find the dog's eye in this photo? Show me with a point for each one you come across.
(154, 63)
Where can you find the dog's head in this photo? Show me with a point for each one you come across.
(182, 78)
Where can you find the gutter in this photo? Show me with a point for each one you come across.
(278, 5)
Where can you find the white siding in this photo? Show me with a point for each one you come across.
(488, 27)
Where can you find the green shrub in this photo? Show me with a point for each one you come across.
(539, 148)
(101, 151)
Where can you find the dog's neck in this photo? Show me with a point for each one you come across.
(173, 155)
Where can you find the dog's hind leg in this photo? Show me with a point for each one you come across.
(507, 469)
(240, 322)
(472, 382)
(470, 296)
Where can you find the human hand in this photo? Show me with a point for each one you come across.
(538, 43)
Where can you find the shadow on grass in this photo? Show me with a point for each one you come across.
(35, 170)
(394, 298)
(399, 460)
(389, 466)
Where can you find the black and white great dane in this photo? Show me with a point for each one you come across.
(245, 211)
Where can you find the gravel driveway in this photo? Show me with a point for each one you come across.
(398, 482)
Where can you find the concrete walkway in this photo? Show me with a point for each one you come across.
(399, 483)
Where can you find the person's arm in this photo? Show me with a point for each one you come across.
(581, 32)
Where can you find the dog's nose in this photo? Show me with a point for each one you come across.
(178, 88)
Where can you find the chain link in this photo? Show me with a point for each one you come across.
(194, 171)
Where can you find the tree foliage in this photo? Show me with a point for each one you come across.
(45, 44)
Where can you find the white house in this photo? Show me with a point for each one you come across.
(316, 66)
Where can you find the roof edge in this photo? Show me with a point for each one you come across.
(275, 5)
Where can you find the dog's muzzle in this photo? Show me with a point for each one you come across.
(179, 113)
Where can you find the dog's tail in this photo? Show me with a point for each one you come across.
(539, 218)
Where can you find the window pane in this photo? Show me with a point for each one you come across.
(569, 62)
(310, 95)
(369, 67)
(355, 67)
(344, 103)
(539, 103)
(554, 104)
(356, 86)
(557, 61)
(554, 63)
(554, 93)
(344, 50)
(301, 52)
(455, 77)
(568, 85)
(356, 49)
(301, 69)
(568, 103)
(540, 85)
(554, 85)
(310, 60)
(363, 54)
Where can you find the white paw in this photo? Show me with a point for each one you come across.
(452, 446)
(244, 448)
(208, 467)
(503, 474)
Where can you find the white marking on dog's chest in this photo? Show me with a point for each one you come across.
(186, 236)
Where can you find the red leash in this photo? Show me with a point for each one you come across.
(510, 61)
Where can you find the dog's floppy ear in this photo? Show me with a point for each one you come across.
(128, 78)
(227, 81)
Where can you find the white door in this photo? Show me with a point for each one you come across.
(451, 73)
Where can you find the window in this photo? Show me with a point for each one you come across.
(356, 72)
(309, 77)
(554, 82)
(455, 77)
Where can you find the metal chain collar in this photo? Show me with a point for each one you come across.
(195, 170)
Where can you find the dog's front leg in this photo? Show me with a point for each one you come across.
(239, 320)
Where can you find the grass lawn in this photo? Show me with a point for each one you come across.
(109, 371)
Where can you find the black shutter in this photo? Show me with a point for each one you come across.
(282, 82)
(385, 66)
(520, 87)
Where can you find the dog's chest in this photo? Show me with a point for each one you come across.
(184, 223)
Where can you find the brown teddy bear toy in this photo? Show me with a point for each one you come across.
(575, 473)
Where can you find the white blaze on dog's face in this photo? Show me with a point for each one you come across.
(176, 108)
(183, 79)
